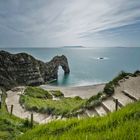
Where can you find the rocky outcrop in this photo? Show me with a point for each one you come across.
(23, 69)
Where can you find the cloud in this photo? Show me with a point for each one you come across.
(65, 22)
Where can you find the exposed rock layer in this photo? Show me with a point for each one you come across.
(23, 69)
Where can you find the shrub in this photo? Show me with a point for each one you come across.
(136, 73)
(21, 99)
(94, 101)
(57, 93)
(94, 98)
(109, 89)
(26, 123)
(77, 98)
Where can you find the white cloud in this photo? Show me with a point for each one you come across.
(67, 21)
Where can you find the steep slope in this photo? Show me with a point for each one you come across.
(23, 69)
(120, 125)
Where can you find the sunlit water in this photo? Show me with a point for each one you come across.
(85, 66)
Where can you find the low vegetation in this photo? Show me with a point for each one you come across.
(11, 126)
(37, 92)
(95, 100)
(120, 125)
(57, 93)
(109, 87)
(62, 106)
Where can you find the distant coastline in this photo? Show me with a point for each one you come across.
(73, 47)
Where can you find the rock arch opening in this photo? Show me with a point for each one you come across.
(53, 67)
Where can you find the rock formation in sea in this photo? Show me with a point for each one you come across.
(24, 69)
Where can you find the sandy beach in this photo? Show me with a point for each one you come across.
(82, 91)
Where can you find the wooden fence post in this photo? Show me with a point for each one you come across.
(32, 119)
(116, 105)
(11, 109)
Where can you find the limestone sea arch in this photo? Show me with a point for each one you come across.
(24, 69)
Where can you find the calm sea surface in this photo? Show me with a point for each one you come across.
(86, 68)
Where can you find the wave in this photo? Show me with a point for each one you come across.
(88, 83)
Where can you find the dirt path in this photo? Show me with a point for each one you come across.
(13, 99)
(14, 95)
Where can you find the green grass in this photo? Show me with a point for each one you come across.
(56, 93)
(10, 126)
(37, 92)
(109, 87)
(64, 106)
(121, 125)
(95, 100)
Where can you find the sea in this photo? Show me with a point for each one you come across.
(86, 65)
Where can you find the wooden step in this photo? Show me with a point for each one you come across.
(47, 119)
(100, 110)
(59, 117)
(109, 105)
(82, 115)
(91, 113)
(130, 95)
(38, 117)
(120, 103)
(122, 99)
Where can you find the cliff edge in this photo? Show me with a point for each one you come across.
(24, 69)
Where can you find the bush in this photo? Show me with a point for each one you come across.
(26, 123)
(77, 98)
(136, 73)
(57, 93)
(94, 98)
(109, 89)
(94, 101)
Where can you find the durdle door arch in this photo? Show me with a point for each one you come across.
(53, 66)
(23, 69)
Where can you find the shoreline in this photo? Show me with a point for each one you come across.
(76, 86)
(84, 92)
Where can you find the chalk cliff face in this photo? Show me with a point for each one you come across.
(23, 69)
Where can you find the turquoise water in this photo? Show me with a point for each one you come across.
(86, 68)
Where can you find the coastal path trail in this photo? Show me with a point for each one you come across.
(127, 92)
(13, 99)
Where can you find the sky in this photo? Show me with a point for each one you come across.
(56, 23)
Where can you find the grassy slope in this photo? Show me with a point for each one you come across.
(10, 126)
(36, 99)
(37, 92)
(57, 107)
(109, 87)
(121, 125)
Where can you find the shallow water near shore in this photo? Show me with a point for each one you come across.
(85, 64)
